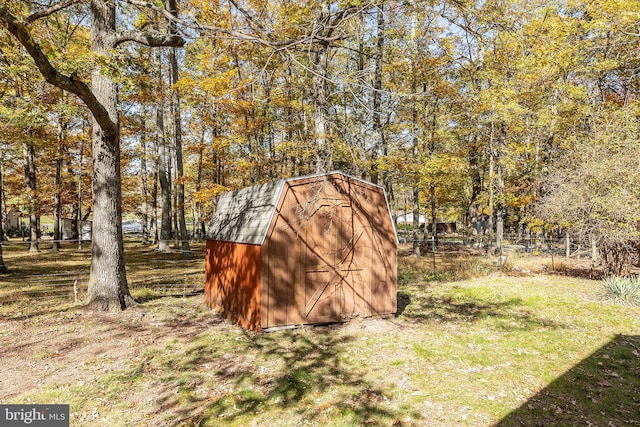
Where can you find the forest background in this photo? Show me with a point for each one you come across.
(517, 115)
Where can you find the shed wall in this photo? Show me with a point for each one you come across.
(329, 255)
(232, 281)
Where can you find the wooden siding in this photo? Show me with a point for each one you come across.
(232, 281)
(330, 253)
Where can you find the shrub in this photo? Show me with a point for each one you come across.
(623, 290)
(618, 255)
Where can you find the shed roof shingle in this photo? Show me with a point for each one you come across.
(243, 216)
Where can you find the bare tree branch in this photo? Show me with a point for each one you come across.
(149, 39)
(318, 35)
(246, 14)
(53, 76)
(206, 28)
(51, 10)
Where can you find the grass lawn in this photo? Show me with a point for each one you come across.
(538, 349)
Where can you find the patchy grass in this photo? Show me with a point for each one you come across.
(468, 347)
(41, 276)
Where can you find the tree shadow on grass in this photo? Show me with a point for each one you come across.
(601, 390)
(159, 294)
(20, 311)
(403, 300)
(426, 308)
(303, 374)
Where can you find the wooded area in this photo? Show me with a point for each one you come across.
(517, 115)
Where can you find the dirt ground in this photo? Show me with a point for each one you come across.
(78, 347)
(70, 346)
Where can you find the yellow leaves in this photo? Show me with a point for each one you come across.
(219, 84)
(293, 15)
(605, 65)
(616, 11)
(142, 21)
(243, 166)
(518, 202)
(440, 164)
(209, 193)
(535, 224)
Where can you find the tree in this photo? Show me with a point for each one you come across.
(29, 153)
(3, 267)
(177, 136)
(163, 163)
(108, 289)
(379, 141)
(594, 189)
(144, 179)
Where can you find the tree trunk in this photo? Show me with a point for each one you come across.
(29, 153)
(197, 213)
(73, 195)
(57, 199)
(416, 222)
(415, 143)
(476, 186)
(433, 178)
(174, 198)
(153, 227)
(108, 289)
(434, 214)
(594, 248)
(416, 177)
(492, 162)
(3, 267)
(77, 226)
(165, 187)
(500, 207)
(143, 178)
(3, 204)
(319, 91)
(163, 173)
(378, 136)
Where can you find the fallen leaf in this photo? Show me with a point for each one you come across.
(604, 383)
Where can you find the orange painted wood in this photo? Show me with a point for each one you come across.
(232, 281)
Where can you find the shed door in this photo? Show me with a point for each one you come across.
(332, 263)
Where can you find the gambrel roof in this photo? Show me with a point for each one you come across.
(243, 216)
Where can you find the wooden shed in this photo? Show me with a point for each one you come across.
(306, 250)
